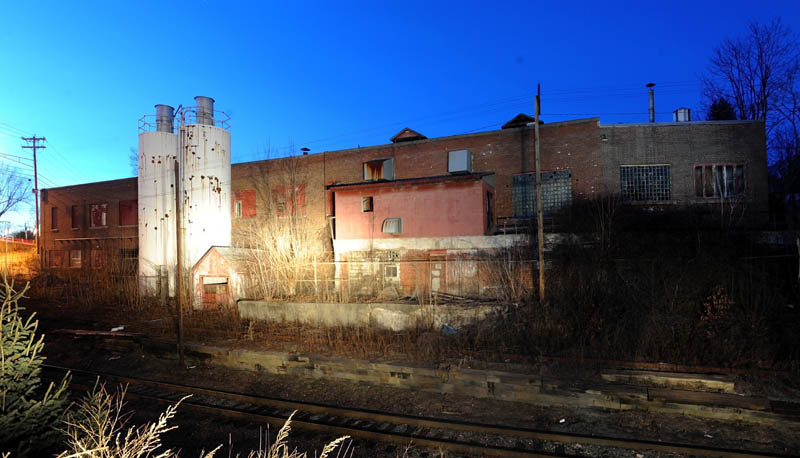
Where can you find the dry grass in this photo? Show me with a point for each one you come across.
(98, 429)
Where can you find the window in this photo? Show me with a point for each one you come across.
(98, 214)
(244, 204)
(288, 203)
(128, 261)
(392, 226)
(556, 193)
(489, 210)
(643, 183)
(98, 259)
(75, 216)
(53, 218)
(128, 215)
(379, 169)
(366, 204)
(75, 258)
(390, 271)
(719, 180)
(55, 258)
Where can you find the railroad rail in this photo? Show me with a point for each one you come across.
(455, 436)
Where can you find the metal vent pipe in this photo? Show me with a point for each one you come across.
(165, 116)
(205, 110)
(652, 102)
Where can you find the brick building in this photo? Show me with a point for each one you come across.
(657, 165)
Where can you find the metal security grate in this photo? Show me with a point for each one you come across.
(642, 183)
(556, 193)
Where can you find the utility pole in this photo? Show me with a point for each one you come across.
(34, 147)
(539, 224)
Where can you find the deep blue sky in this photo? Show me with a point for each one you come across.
(336, 75)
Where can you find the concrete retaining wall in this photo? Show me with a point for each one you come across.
(381, 315)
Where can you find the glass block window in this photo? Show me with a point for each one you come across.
(642, 183)
(556, 193)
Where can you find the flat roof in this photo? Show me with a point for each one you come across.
(411, 181)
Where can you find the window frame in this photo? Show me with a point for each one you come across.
(104, 212)
(54, 219)
(237, 208)
(72, 258)
(75, 217)
(708, 188)
(367, 204)
(134, 204)
(389, 221)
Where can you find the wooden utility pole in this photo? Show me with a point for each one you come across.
(539, 223)
(34, 147)
(178, 267)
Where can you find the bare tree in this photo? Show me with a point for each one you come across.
(13, 189)
(755, 71)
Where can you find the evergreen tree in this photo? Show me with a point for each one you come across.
(28, 414)
(721, 110)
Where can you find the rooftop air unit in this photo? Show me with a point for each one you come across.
(459, 161)
(682, 115)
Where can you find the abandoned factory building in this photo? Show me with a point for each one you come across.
(427, 200)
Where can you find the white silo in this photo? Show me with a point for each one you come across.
(158, 150)
(205, 175)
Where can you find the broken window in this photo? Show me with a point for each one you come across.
(75, 258)
(244, 204)
(366, 204)
(128, 261)
(99, 213)
(379, 169)
(644, 183)
(556, 193)
(75, 216)
(719, 180)
(288, 203)
(489, 210)
(128, 215)
(392, 226)
(53, 218)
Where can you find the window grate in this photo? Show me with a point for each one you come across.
(642, 183)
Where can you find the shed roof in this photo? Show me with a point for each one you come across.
(237, 257)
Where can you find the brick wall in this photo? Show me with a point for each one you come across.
(98, 244)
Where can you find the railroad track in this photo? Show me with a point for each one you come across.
(455, 436)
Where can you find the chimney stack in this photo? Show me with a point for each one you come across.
(652, 102)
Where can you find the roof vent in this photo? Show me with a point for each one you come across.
(682, 115)
(205, 110)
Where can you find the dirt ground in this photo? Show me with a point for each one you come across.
(196, 433)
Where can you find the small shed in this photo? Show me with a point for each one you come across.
(218, 278)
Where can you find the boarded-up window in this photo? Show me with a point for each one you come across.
(75, 258)
(56, 258)
(244, 204)
(75, 215)
(556, 193)
(128, 215)
(53, 218)
(99, 215)
(379, 169)
(288, 203)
